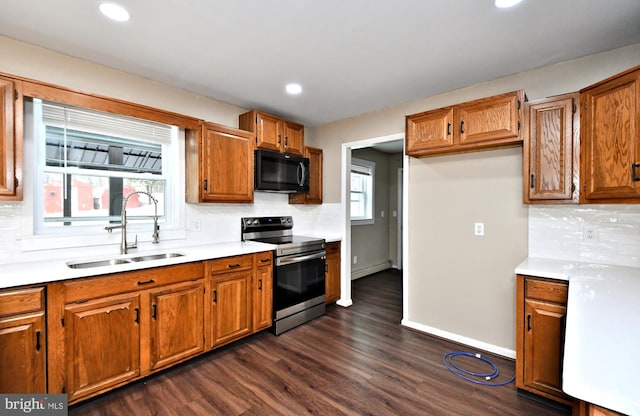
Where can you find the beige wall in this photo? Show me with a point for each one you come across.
(41, 64)
(460, 285)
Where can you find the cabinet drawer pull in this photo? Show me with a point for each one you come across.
(634, 175)
(146, 282)
(259, 284)
(137, 319)
(215, 296)
(264, 260)
(533, 181)
(462, 127)
(206, 184)
(448, 129)
(529, 323)
(233, 266)
(155, 309)
(38, 346)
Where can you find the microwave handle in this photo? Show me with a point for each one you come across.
(302, 173)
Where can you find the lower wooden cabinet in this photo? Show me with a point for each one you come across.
(332, 275)
(540, 326)
(177, 323)
(102, 344)
(22, 341)
(263, 292)
(230, 306)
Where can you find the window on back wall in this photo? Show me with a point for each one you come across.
(362, 180)
(90, 160)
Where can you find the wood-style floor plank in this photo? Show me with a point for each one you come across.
(352, 361)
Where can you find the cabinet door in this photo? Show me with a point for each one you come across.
(23, 354)
(177, 322)
(293, 138)
(332, 276)
(263, 298)
(544, 325)
(429, 130)
(102, 344)
(227, 164)
(610, 146)
(488, 121)
(10, 141)
(269, 132)
(551, 150)
(230, 306)
(314, 196)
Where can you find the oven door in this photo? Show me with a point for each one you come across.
(298, 278)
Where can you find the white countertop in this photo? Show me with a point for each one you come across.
(19, 274)
(602, 331)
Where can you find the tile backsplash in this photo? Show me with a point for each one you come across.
(606, 234)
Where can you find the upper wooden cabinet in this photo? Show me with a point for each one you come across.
(314, 196)
(219, 165)
(551, 150)
(610, 145)
(10, 139)
(476, 125)
(274, 133)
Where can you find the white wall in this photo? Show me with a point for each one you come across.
(459, 286)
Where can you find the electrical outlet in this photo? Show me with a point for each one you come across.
(355, 259)
(590, 233)
(195, 225)
(478, 228)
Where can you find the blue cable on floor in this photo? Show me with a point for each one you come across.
(447, 359)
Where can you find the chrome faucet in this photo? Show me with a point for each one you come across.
(124, 246)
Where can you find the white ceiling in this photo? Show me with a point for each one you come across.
(351, 56)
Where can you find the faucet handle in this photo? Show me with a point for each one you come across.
(134, 244)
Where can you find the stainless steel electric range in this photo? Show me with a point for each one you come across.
(299, 273)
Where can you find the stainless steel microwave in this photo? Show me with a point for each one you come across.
(280, 172)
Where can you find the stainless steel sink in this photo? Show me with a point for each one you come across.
(126, 260)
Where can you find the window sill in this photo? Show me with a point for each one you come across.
(362, 222)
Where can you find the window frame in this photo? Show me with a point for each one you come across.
(366, 167)
(29, 240)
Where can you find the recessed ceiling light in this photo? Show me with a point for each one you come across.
(293, 89)
(506, 3)
(114, 12)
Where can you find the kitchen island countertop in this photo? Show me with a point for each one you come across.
(602, 331)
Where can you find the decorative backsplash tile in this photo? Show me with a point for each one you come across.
(608, 234)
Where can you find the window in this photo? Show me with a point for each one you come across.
(90, 160)
(362, 180)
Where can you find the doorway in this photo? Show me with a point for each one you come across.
(394, 213)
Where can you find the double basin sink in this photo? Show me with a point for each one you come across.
(121, 260)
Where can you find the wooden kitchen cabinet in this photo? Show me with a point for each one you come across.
(540, 325)
(177, 322)
(102, 344)
(263, 292)
(551, 150)
(11, 121)
(22, 341)
(332, 275)
(273, 133)
(230, 298)
(610, 141)
(109, 330)
(314, 195)
(588, 409)
(487, 123)
(219, 165)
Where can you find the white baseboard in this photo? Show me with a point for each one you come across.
(369, 270)
(474, 343)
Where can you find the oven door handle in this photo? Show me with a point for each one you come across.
(281, 261)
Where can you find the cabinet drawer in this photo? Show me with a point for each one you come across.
(263, 259)
(228, 264)
(21, 300)
(546, 290)
(112, 284)
(333, 248)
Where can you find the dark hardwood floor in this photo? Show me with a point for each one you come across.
(352, 361)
